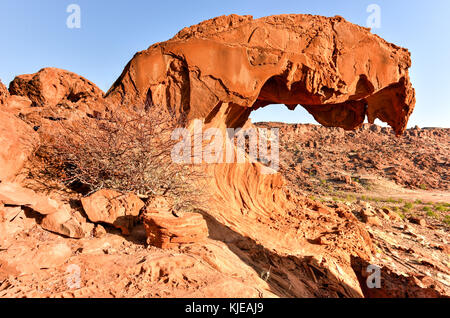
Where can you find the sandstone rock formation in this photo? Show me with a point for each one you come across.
(65, 223)
(3, 94)
(338, 71)
(56, 216)
(114, 208)
(18, 105)
(17, 142)
(166, 230)
(14, 194)
(51, 87)
(265, 239)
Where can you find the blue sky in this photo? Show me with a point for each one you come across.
(34, 35)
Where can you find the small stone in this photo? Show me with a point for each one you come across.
(419, 221)
(63, 223)
(373, 220)
(99, 231)
(392, 215)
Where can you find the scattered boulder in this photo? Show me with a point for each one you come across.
(17, 142)
(392, 215)
(62, 222)
(114, 208)
(370, 218)
(58, 217)
(287, 59)
(166, 230)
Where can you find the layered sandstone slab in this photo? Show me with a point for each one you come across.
(166, 230)
(338, 71)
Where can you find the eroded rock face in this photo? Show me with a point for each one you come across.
(55, 87)
(3, 94)
(338, 71)
(17, 142)
(18, 105)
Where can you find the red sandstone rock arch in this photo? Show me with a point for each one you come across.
(222, 69)
(338, 71)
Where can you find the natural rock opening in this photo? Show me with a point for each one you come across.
(320, 63)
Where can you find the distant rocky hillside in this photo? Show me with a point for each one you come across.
(312, 155)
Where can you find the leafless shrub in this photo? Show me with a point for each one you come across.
(127, 151)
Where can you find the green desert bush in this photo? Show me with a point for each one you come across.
(401, 215)
(440, 208)
(408, 206)
(427, 209)
(447, 219)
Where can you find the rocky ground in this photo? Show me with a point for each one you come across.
(407, 174)
(410, 244)
(345, 203)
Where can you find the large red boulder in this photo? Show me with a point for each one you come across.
(52, 87)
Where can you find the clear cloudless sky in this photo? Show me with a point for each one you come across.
(34, 35)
